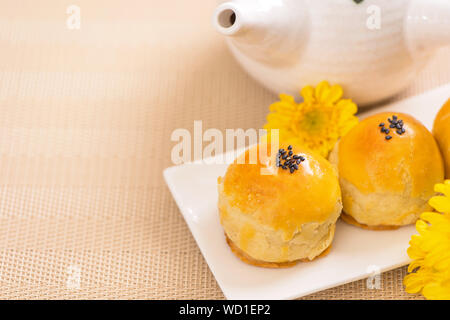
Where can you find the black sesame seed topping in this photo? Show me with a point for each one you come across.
(395, 123)
(288, 160)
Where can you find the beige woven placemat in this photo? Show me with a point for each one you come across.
(85, 124)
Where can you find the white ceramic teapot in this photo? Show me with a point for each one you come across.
(373, 48)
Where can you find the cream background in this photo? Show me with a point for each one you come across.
(85, 123)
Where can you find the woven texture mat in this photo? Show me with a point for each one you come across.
(85, 125)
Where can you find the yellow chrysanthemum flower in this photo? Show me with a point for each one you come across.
(430, 249)
(318, 122)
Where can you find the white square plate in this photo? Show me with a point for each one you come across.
(355, 254)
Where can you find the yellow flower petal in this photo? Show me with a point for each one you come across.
(437, 220)
(431, 216)
(430, 250)
(444, 264)
(321, 92)
(435, 291)
(308, 94)
(438, 259)
(440, 203)
(413, 283)
(443, 188)
(348, 107)
(415, 252)
(414, 265)
(287, 98)
(318, 122)
(421, 226)
(283, 106)
(334, 94)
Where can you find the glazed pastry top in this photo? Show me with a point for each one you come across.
(278, 198)
(376, 160)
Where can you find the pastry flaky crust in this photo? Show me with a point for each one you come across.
(441, 131)
(350, 220)
(274, 218)
(274, 265)
(387, 183)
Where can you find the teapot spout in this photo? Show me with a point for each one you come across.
(229, 20)
(428, 25)
(265, 31)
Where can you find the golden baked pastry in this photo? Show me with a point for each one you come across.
(388, 165)
(441, 131)
(275, 217)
